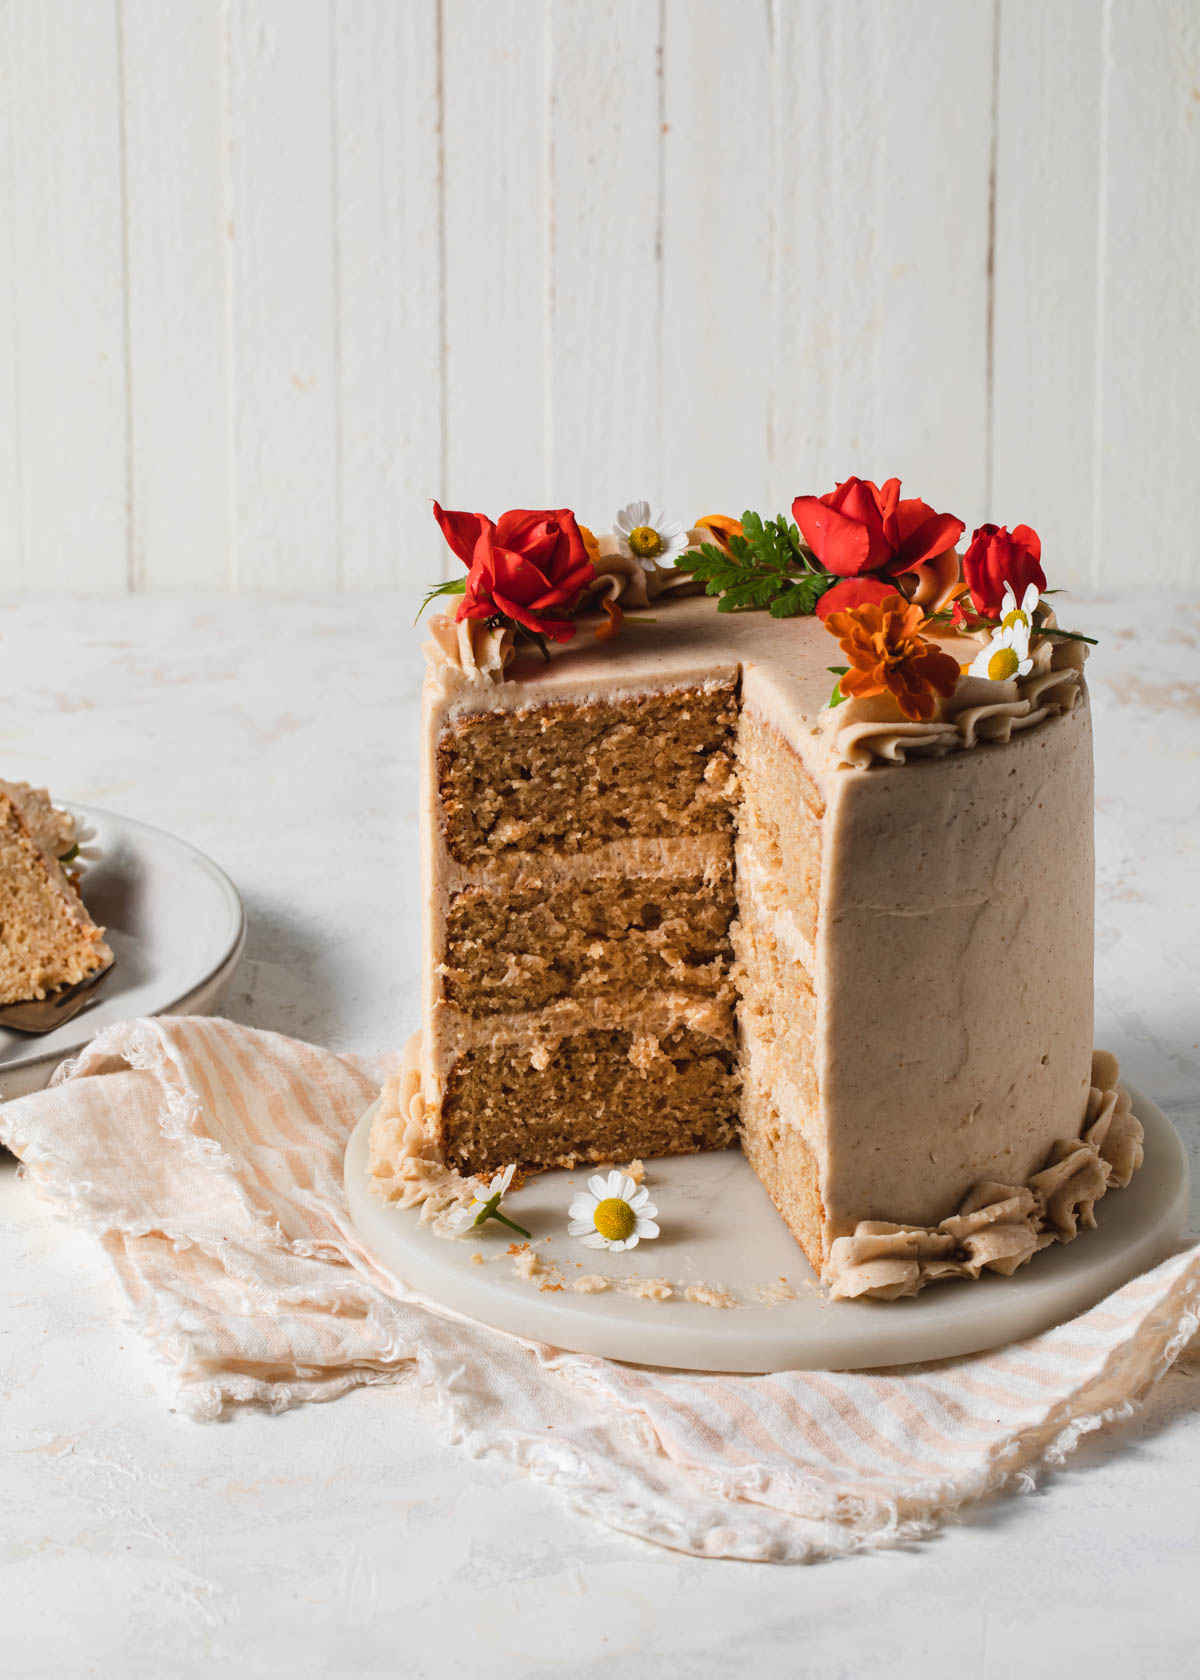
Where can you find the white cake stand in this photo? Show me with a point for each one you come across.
(720, 1229)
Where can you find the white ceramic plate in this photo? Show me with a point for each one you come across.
(719, 1227)
(176, 927)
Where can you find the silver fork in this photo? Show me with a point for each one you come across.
(42, 1015)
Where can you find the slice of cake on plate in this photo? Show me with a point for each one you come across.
(47, 938)
(679, 893)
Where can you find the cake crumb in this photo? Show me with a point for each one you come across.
(554, 1288)
(704, 1295)
(591, 1284)
(509, 830)
(636, 1171)
(644, 1050)
(774, 1294)
(649, 1289)
(477, 1258)
(526, 1263)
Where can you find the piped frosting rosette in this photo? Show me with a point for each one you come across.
(468, 645)
(862, 732)
(483, 655)
(631, 583)
(1000, 1226)
(405, 1165)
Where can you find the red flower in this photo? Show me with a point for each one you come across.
(998, 556)
(867, 534)
(528, 566)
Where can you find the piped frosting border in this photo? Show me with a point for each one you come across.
(999, 1227)
(404, 1164)
(861, 732)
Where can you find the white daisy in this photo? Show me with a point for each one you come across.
(612, 1213)
(1011, 613)
(1006, 654)
(484, 1205)
(644, 533)
(81, 852)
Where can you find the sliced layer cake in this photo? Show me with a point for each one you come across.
(47, 938)
(676, 898)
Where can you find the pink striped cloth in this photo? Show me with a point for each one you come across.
(207, 1158)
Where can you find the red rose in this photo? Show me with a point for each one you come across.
(868, 535)
(997, 557)
(526, 566)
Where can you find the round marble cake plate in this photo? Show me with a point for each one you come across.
(176, 927)
(720, 1228)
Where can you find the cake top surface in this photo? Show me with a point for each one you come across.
(857, 627)
(681, 642)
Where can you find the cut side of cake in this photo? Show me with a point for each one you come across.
(47, 937)
(677, 898)
(582, 1003)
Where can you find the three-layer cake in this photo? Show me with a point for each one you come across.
(676, 899)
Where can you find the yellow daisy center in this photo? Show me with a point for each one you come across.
(1016, 616)
(645, 542)
(1003, 664)
(614, 1219)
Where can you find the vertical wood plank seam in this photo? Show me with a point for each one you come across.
(131, 557)
(776, 179)
(1102, 124)
(836, 234)
(660, 224)
(443, 349)
(229, 234)
(14, 288)
(339, 581)
(550, 494)
(989, 459)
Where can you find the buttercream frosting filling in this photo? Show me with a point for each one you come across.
(761, 896)
(648, 1015)
(633, 859)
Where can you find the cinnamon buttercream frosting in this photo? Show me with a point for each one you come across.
(999, 1227)
(636, 583)
(404, 1163)
(469, 646)
(863, 731)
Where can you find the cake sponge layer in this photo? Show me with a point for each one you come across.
(567, 777)
(524, 949)
(47, 938)
(603, 1096)
(780, 819)
(779, 1154)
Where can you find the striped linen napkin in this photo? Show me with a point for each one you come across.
(207, 1158)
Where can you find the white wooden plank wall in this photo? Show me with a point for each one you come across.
(274, 273)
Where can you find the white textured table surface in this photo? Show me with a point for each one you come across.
(351, 1539)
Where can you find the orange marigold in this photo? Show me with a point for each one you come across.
(888, 655)
(720, 527)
